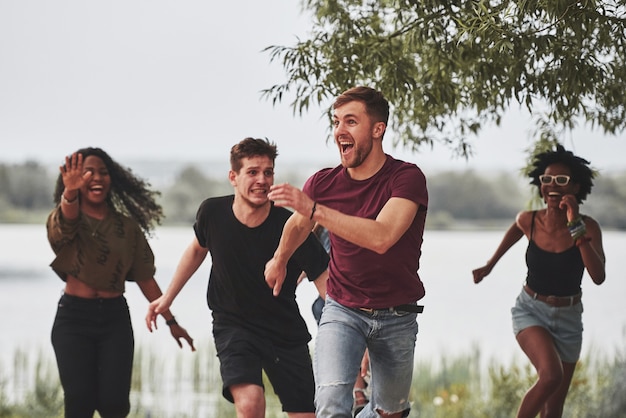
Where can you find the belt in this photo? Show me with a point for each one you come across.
(556, 301)
(413, 308)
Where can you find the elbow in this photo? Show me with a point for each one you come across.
(599, 278)
(380, 250)
(381, 246)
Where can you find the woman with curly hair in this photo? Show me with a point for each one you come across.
(98, 233)
(562, 243)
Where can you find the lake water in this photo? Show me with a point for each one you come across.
(458, 317)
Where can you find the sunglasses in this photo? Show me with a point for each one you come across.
(560, 179)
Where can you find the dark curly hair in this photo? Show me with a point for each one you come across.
(581, 173)
(129, 194)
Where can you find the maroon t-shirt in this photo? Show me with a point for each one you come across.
(359, 277)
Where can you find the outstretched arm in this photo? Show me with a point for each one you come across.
(511, 236)
(151, 290)
(191, 259)
(377, 235)
(296, 230)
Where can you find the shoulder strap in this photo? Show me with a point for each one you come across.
(532, 224)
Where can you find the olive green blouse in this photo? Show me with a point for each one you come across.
(100, 253)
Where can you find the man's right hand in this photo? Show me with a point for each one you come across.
(155, 308)
(275, 273)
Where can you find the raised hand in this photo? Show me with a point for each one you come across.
(72, 172)
(570, 204)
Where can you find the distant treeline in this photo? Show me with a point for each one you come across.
(457, 199)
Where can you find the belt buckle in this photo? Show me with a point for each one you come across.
(552, 300)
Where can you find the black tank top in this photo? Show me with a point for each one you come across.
(557, 274)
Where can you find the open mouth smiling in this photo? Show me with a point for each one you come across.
(345, 146)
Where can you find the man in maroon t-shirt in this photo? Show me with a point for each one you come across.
(374, 208)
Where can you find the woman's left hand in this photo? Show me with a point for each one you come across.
(570, 204)
(179, 332)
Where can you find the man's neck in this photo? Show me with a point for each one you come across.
(368, 168)
(250, 216)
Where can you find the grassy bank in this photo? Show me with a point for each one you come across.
(179, 386)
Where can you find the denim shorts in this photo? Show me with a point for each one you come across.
(563, 323)
(244, 356)
(342, 337)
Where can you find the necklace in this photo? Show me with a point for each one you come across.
(94, 231)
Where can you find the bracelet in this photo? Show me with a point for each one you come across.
(67, 201)
(575, 221)
(171, 322)
(577, 228)
(313, 210)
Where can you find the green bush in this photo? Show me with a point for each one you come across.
(180, 386)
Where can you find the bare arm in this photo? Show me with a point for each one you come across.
(296, 230)
(592, 252)
(191, 259)
(590, 245)
(377, 235)
(511, 236)
(151, 290)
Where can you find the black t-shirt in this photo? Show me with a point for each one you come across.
(237, 293)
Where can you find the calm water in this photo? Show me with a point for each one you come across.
(458, 316)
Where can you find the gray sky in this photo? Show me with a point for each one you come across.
(156, 79)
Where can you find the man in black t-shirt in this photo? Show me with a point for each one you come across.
(254, 331)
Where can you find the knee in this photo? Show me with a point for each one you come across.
(334, 399)
(551, 378)
(110, 412)
(114, 411)
(249, 406)
(114, 408)
(79, 401)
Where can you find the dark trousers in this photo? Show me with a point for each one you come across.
(93, 342)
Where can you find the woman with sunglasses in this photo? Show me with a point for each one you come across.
(562, 243)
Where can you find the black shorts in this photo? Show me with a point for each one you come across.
(244, 355)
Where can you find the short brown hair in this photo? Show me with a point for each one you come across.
(251, 147)
(376, 106)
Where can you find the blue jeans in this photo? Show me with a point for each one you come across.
(342, 338)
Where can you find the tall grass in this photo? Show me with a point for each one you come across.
(169, 385)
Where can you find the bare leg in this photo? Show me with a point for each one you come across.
(553, 408)
(360, 385)
(538, 345)
(360, 398)
(249, 400)
(395, 415)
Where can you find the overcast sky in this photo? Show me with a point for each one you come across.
(155, 80)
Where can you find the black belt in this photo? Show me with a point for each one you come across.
(413, 308)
